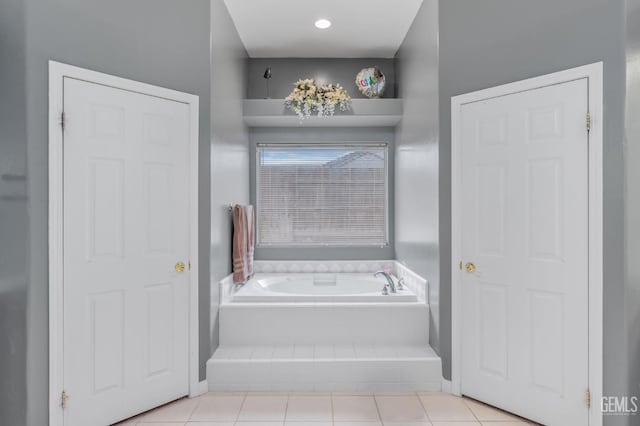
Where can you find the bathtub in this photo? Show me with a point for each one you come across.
(301, 326)
(318, 288)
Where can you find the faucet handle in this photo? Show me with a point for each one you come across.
(385, 290)
(401, 285)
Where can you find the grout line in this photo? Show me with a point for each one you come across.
(333, 415)
(244, 395)
(473, 413)
(516, 418)
(244, 398)
(423, 407)
(286, 408)
(375, 401)
(195, 407)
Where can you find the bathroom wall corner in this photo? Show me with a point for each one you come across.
(229, 156)
(416, 184)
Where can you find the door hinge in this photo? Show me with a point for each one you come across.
(63, 400)
(460, 265)
(189, 265)
(63, 120)
(588, 121)
(588, 398)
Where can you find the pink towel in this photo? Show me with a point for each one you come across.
(243, 237)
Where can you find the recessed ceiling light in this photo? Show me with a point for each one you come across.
(323, 24)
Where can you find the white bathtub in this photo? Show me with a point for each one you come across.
(302, 326)
(318, 288)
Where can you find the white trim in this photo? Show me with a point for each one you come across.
(57, 72)
(594, 74)
(55, 245)
(446, 386)
(202, 388)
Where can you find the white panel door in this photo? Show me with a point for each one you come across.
(524, 227)
(126, 225)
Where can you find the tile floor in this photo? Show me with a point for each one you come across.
(325, 409)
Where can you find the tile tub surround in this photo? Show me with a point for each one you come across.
(414, 282)
(326, 409)
(318, 288)
(296, 324)
(325, 346)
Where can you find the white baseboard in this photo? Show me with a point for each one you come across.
(201, 389)
(446, 385)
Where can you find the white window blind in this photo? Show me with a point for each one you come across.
(321, 195)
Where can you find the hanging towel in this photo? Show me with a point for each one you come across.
(243, 237)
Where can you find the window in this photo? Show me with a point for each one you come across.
(321, 195)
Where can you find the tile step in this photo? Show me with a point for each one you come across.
(304, 352)
(324, 368)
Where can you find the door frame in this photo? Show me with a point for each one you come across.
(57, 72)
(594, 75)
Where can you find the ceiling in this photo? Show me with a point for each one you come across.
(285, 28)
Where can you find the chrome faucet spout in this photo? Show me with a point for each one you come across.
(392, 285)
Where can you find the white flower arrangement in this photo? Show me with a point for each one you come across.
(308, 98)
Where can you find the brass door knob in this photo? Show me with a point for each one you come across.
(180, 267)
(470, 267)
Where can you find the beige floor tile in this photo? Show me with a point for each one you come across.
(178, 411)
(456, 424)
(507, 423)
(217, 408)
(446, 408)
(400, 409)
(161, 423)
(257, 424)
(394, 393)
(263, 408)
(309, 408)
(432, 393)
(407, 424)
(352, 393)
(209, 424)
(378, 423)
(286, 423)
(310, 393)
(484, 412)
(125, 423)
(267, 393)
(221, 393)
(354, 409)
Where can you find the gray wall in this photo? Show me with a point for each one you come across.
(286, 71)
(297, 135)
(13, 214)
(632, 197)
(161, 42)
(229, 149)
(416, 189)
(484, 44)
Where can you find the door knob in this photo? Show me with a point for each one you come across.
(179, 267)
(470, 267)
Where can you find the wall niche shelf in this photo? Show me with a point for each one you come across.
(363, 113)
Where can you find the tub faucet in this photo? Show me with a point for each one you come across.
(392, 286)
